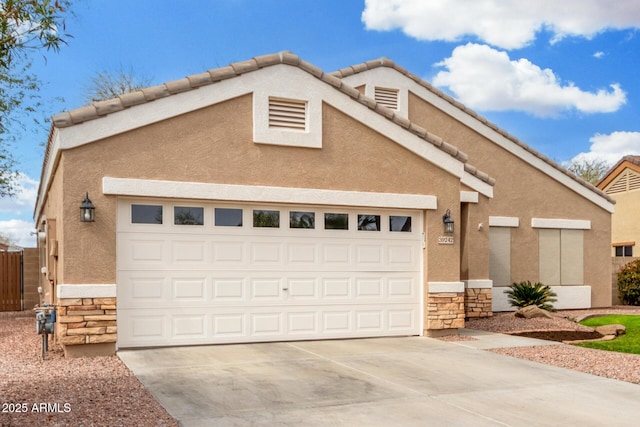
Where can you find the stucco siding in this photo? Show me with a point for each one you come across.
(626, 225)
(524, 192)
(215, 144)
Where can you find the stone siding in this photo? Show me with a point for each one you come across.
(86, 321)
(445, 312)
(477, 302)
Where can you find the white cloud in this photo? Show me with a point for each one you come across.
(16, 212)
(18, 231)
(25, 199)
(612, 147)
(599, 54)
(487, 79)
(509, 24)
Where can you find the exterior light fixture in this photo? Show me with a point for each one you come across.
(448, 222)
(87, 210)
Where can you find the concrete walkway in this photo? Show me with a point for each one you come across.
(377, 382)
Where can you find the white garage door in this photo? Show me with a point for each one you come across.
(202, 273)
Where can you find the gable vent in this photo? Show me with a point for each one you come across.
(627, 181)
(387, 97)
(619, 185)
(287, 114)
(634, 180)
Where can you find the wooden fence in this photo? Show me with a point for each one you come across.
(10, 281)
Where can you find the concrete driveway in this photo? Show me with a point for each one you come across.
(377, 382)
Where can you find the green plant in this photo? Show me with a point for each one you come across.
(629, 283)
(523, 294)
(627, 343)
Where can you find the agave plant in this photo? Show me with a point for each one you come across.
(524, 293)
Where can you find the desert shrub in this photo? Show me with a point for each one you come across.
(523, 294)
(629, 283)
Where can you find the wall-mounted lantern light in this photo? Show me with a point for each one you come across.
(87, 210)
(448, 222)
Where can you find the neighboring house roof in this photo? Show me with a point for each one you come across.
(632, 162)
(384, 62)
(101, 109)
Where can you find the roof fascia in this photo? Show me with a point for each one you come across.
(616, 171)
(164, 108)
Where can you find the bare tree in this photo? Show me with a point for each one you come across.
(591, 170)
(110, 84)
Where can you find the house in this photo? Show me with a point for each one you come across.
(269, 201)
(622, 183)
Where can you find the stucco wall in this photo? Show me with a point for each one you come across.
(524, 192)
(626, 223)
(52, 214)
(215, 144)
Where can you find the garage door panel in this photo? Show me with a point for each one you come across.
(267, 324)
(302, 289)
(189, 252)
(265, 289)
(189, 326)
(336, 255)
(370, 320)
(231, 253)
(303, 323)
(402, 287)
(180, 285)
(302, 253)
(336, 288)
(368, 255)
(401, 319)
(190, 288)
(369, 287)
(171, 326)
(229, 325)
(337, 322)
(267, 253)
(228, 289)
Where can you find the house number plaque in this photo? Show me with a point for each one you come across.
(445, 240)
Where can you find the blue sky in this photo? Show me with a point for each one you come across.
(560, 76)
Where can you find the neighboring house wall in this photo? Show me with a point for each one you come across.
(625, 230)
(622, 183)
(618, 263)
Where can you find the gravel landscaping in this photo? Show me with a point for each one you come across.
(98, 391)
(101, 391)
(619, 366)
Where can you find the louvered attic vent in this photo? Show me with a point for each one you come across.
(287, 114)
(387, 97)
(627, 181)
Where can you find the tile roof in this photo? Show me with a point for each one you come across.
(102, 108)
(606, 178)
(385, 62)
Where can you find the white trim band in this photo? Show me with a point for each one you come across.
(86, 291)
(445, 287)
(477, 184)
(572, 224)
(478, 284)
(469, 197)
(258, 193)
(504, 221)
